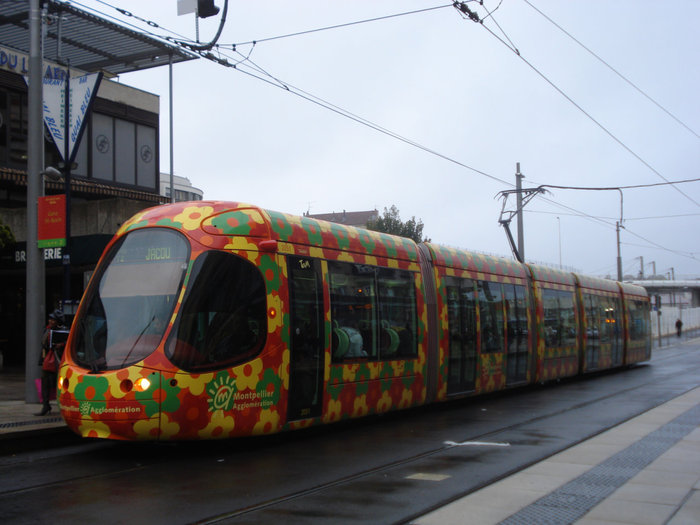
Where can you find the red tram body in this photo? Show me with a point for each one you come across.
(214, 319)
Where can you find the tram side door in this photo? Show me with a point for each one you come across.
(306, 360)
(517, 351)
(462, 352)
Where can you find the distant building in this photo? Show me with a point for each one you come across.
(347, 218)
(184, 191)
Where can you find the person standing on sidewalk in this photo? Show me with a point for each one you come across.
(50, 357)
(679, 327)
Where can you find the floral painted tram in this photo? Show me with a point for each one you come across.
(215, 319)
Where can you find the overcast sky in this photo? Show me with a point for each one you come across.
(462, 101)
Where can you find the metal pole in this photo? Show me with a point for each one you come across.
(67, 170)
(619, 257)
(172, 170)
(35, 285)
(673, 290)
(519, 187)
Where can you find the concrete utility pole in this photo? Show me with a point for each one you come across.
(519, 188)
(35, 313)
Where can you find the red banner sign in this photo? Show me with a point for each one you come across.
(52, 221)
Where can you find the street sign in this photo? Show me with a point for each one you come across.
(52, 221)
(81, 93)
(186, 6)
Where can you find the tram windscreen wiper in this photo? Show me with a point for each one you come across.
(126, 358)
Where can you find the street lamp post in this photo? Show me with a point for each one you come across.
(35, 309)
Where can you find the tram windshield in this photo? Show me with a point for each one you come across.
(131, 301)
(223, 317)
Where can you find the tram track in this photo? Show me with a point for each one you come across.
(123, 461)
(482, 437)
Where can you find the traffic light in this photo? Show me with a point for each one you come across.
(206, 8)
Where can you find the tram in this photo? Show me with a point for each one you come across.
(210, 320)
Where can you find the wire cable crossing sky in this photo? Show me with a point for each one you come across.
(441, 88)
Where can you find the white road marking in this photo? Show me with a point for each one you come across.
(475, 444)
(424, 476)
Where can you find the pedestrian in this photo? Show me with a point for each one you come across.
(50, 357)
(679, 327)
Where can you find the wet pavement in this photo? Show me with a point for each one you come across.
(640, 465)
(644, 471)
(17, 416)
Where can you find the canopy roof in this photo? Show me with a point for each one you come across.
(88, 42)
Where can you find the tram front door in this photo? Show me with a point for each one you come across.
(307, 354)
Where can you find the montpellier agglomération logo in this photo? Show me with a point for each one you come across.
(221, 393)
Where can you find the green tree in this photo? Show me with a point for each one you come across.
(390, 222)
(6, 236)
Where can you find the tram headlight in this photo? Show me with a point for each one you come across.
(142, 384)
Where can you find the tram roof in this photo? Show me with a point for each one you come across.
(476, 262)
(552, 275)
(634, 289)
(597, 283)
(228, 219)
(330, 235)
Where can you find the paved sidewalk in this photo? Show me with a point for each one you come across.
(16, 416)
(644, 471)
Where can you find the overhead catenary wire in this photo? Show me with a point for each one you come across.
(606, 64)
(580, 108)
(260, 74)
(338, 26)
(627, 219)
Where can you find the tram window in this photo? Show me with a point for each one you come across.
(560, 328)
(397, 300)
(223, 318)
(491, 316)
(569, 327)
(639, 320)
(353, 302)
(592, 319)
(593, 329)
(609, 308)
(516, 317)
(373, 312)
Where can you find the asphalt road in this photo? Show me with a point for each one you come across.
(381, 470)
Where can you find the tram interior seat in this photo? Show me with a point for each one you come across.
(390, 340)
(341, 341)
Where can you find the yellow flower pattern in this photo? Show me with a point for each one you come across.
(248, 375)
(192, 217)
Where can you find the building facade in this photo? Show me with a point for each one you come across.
(115, 174)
